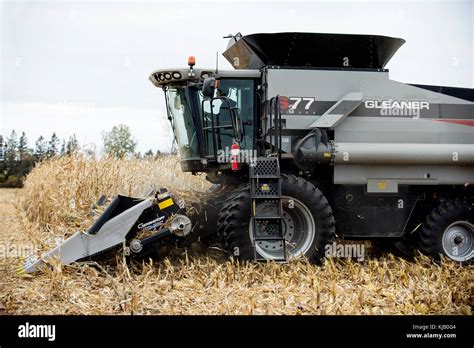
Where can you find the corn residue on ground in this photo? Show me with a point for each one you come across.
(55, 203)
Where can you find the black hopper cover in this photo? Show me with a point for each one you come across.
(311, 50)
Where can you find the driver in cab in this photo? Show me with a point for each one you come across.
(225, 117)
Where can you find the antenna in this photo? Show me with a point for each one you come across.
(217, 61)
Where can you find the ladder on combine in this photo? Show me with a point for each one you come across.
(266, 212)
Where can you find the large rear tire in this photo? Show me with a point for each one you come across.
(308, 223)
(449, 231)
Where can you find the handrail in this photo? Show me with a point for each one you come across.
(275, 124)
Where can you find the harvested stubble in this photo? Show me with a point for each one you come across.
(204, 285)
(197, 281)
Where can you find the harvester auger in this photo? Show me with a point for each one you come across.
(314, 138)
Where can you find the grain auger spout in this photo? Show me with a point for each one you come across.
(136, 224)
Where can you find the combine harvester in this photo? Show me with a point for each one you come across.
(306, 138)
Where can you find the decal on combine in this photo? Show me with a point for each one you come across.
(308, 106)
(151, 225)
(302, 106)
(390, 107)
(165, 204)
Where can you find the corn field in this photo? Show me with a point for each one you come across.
(55, 203)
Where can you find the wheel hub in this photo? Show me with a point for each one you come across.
(457, 241)
(288, 229)
(298, 229)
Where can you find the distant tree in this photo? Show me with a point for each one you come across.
(159, 154)
(26, 164)
(53, 146)
(149, 154)
(62, 152)
(72, 145)
(119, 141)
(11, 153)
(19, 160)
(23, 147)
(25, 156)
(41, 148)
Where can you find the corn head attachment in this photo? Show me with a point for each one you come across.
(136, 224)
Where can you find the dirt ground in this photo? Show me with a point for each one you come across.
(211, 284)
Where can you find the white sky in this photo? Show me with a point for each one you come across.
(82, 67)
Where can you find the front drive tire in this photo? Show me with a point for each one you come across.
(308, 222)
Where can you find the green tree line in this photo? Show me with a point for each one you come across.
(17, 159)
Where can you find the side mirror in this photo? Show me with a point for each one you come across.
(208, 87)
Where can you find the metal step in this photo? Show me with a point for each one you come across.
(265, 167)
(266, 219)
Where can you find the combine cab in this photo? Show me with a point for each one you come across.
(308, 137)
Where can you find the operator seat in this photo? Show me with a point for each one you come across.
(225, 135)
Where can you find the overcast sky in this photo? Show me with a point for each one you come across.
(82, 67)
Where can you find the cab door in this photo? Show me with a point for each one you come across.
(231, 93)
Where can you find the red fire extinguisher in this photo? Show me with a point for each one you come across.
(234, 151)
